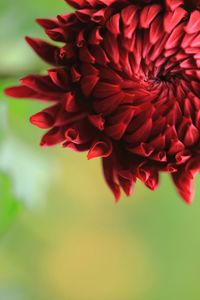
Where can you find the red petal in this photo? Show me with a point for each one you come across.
(110, 177)
(102, 148)
(46, 51)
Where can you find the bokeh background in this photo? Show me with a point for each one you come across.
(62, 237)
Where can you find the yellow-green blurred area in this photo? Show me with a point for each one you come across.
(62, 237)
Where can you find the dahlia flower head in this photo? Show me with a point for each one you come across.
(124, 85)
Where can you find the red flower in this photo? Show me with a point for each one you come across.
(125, 87)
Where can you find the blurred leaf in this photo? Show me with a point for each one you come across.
(28, 168)
(29, 171)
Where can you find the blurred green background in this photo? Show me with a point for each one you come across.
(62, 237)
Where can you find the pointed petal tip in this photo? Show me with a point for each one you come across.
(117, 196)
(32, 42)
(43, 49)
(39, 21)
(8, 91)
(187, 198)
(186, 194)
(89, 157)
(116, 192)
(43, 144)
(12, 91)
(42, 120)
(29, 40)
(46, 23)
(129, 191)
